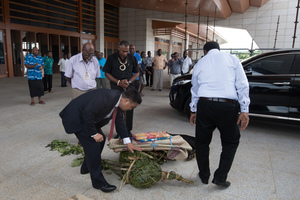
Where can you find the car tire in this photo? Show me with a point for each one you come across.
(187, 110)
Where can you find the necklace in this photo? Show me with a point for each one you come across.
(123, 65)
(86, 76)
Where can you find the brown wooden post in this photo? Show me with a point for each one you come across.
(69, 43)
(80, 23)
(8, 53)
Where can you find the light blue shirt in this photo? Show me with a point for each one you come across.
(139, 60)
(220, 75)
(102, 62)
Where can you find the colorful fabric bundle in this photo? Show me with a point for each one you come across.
(143, 137)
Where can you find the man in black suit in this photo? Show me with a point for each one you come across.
(86, 114)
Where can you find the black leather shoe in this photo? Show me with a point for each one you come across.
(224, 184)
(106, 188)
(203, 180)
(84, 171)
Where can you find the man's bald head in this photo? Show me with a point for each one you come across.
(87, 46)
(88, 51)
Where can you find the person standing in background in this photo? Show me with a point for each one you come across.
(159, 63)
(143, 73)
(62, 66)
(34, 64)
(48, 72)
(101, 81)
(149, 69)
(139, 62)
(174, 67)
(187, 63)
(82, 70)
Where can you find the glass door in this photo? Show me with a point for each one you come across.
(3, 68)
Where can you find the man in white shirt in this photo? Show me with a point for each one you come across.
(82, 70)
(62, 66)
(187, 63)
(220, 90)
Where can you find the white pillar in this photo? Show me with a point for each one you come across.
(170, 47)
(187, 41)
(100, 26)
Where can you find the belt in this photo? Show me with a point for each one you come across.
(218, 99)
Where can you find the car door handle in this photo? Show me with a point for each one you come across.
(281, 83)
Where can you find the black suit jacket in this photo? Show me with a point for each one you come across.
(88, 111)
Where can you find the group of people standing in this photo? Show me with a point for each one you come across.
(220, 91)
(40, 74)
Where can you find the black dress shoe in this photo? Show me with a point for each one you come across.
(106, 188)
(203, 180)
(84, 171)
(224, 184)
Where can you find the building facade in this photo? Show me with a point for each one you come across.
(64, 26)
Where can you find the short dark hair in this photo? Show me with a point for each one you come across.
(133, 95)
(211, 45)
(143, 52)
(124, 43)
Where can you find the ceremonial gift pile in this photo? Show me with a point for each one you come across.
(174, 146)
(140, 169)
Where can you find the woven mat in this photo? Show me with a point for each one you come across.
(176, 147)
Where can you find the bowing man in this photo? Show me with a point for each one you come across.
(86, 114)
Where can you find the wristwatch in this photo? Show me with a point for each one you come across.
(129, 82)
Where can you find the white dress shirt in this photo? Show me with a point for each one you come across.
(62, 64)
(220, 75)
(77, 68)
(187, 62)
(125, 140)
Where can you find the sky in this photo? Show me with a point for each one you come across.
(237, 38)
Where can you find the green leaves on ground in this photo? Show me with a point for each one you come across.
(66, 148)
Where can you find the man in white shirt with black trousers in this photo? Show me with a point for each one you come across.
(220, 90)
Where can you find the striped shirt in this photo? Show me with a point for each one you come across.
(34, 73)
(83, 75)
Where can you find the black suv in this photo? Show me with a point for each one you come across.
(274, 81)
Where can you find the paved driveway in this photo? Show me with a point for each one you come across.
(267, 164)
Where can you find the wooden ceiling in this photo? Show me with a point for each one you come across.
(223, 8)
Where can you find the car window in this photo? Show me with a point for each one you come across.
(279, 64)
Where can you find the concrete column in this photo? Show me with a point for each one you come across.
(170, 47)
(187, 41)
(150, 38)
(100, 26)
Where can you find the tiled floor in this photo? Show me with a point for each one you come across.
(266, 166)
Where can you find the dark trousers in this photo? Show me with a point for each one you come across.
(211, 115)
(63, 79)
(128, 114)
(92, 161)
(149, 78)
(47, 80)
(137, 84)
